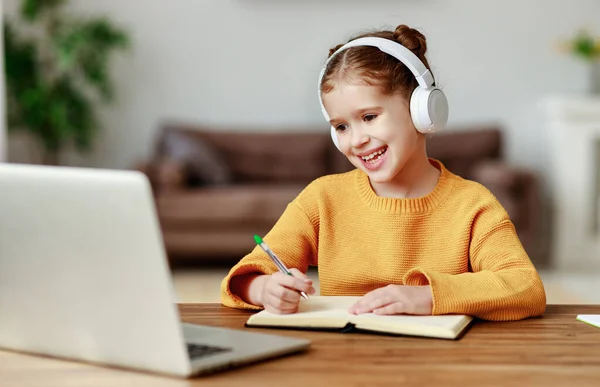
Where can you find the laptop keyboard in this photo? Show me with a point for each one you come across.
(197, 351)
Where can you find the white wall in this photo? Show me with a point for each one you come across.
(255, 62)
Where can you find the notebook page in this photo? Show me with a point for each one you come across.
(592, 319)
(318, 311)
(445, 321)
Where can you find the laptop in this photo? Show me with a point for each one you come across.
(84, 276)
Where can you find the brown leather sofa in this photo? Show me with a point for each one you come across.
(217, 187)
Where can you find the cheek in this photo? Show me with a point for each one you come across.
(405, 143)
(345, 147)
(346, 150)
(344, 144)
(350, 156)
(408, 136)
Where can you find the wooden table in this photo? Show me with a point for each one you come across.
(552, 351)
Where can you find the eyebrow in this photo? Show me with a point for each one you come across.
(358, 112)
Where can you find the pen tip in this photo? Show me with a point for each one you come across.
(257, 239)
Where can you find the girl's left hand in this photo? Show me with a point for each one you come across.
(395, 299)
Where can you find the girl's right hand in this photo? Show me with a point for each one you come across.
(281, 292)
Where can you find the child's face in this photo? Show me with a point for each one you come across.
(375, 131)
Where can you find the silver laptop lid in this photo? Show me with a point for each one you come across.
(83, 273)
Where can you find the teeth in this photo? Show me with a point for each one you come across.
(374, 154)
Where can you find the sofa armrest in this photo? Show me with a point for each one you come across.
(165, 175)
(501, 176)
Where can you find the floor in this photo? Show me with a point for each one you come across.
(203, 285)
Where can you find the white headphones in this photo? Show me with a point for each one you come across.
(428, 104)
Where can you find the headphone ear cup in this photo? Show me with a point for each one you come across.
(335, 139)
(429, 109)
(437, 105)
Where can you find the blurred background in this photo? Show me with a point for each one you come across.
(216, 101)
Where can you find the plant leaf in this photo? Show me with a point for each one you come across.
(85, 47)
(31, 9)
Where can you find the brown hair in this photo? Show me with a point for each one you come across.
(374, 67)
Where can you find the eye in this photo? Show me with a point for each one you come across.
(340, 127)
(369, 117)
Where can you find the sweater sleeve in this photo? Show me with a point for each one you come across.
(503, 284)
(293, 239)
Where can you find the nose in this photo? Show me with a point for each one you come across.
(358, 137)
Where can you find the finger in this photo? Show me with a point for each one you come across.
(374, 299)
(370, 301)
(285, 294)
(291, 282)
(373, 304)
(274, 310)
(393, 308)
(370, 295)
(300, 275)
(303, 277)
(282, 306)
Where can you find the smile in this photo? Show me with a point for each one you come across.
(375, 159)
(372, 158)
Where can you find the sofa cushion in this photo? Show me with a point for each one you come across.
(201, 160)
(461, 150)
(233, 205)
(263, 157)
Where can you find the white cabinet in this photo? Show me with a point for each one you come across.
(573, 129)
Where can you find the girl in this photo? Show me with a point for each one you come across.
(400, 230)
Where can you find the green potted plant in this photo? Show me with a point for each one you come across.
(57, 73)
(586, 47)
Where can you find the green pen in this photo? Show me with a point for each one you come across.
(275, 259)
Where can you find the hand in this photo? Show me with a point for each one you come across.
(395, 299)
(281, 292)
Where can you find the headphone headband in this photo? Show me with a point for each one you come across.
(428, 104)
(398, 51)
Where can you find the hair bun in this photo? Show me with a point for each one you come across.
(334, 49)
(411, 39)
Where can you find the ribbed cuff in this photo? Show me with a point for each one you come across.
(418, 277)
(232, 300)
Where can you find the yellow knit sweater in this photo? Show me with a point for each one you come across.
(458, 239)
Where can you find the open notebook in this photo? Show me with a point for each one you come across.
(592, 319)
(330, 313)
